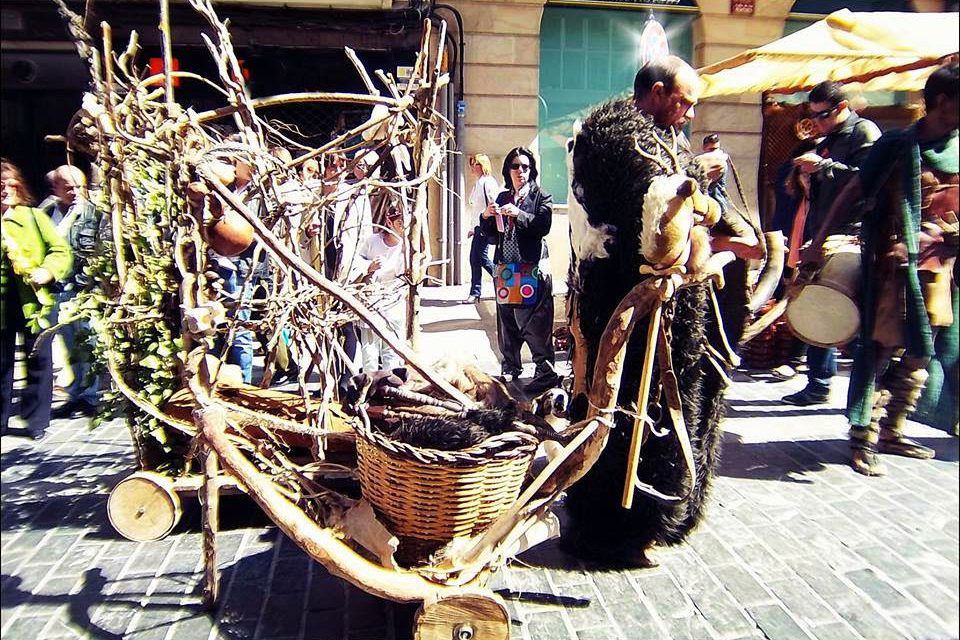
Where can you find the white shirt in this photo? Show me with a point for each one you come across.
(392, 263)
(484, 193)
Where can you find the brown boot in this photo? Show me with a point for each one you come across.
(863, 451)
(866, 462)
(902, 446)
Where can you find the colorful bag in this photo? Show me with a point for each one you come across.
(517, 283)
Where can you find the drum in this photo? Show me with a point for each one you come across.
(825, 312)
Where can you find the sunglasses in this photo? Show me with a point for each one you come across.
(517, 166)
(826, 113)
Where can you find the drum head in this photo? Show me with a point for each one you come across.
(823, 317)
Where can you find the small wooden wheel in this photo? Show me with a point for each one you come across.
(144, 507)
(470, 616)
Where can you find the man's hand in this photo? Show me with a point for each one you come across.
(808, 163)
(745, 249)
(714, 164)
(40, 276)
(375, 265)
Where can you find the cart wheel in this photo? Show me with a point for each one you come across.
(144, 507)
(463, 617)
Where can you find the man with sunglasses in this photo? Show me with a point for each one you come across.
(846, 139)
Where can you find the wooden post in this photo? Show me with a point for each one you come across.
(167, 52)
(643, 397)
(210, 498)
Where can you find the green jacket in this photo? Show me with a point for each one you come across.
(30, 237)
(880, 167)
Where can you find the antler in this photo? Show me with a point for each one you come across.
(671, 150)
(656, 159)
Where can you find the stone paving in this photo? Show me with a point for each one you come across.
(795, 546)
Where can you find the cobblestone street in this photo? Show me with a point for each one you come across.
(796, 545)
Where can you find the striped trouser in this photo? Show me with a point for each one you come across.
(897, 394)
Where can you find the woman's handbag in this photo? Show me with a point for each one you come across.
(517, 283)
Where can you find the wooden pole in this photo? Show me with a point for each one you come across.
(167, 51)
(210, 495)
(643, 398)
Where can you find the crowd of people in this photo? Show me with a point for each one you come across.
(898, 190)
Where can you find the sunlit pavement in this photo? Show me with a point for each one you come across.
(795, 546)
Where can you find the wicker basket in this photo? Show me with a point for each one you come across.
(428, 497)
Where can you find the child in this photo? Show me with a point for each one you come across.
(383, 254)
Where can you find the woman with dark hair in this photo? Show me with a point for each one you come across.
(519, 220)
(32, 257)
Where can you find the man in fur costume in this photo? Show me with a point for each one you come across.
(612, 173)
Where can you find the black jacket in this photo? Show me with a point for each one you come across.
(533, 224)
(843, 150)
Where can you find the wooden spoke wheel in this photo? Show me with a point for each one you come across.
(470, 616)
(144, 507)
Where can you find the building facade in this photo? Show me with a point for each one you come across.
(522, 72)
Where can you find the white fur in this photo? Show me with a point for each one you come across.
(588, 241)
(662, 190)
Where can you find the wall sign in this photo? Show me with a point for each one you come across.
(742, 7)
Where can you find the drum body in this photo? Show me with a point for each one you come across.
(825, 312)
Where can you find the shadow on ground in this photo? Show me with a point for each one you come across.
(793, 461)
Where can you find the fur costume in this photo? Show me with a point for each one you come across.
(610, 181)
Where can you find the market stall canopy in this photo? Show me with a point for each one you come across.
(880, 51)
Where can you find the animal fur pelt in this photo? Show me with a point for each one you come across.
(586, 241)
(611, 179)
(448, 433)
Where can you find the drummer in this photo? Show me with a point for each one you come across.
(846, 139)
(909, 250)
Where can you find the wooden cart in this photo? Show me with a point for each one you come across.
(166, 196)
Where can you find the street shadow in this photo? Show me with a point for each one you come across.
(782, 461)
(255, 602)
(440, 303)
(49, 490)
(796, 461)
(290, 587)
(44, 490)
(948, 449)
(95, 590)
(734, 409)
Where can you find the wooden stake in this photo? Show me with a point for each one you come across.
(210, 495)
(643, 397)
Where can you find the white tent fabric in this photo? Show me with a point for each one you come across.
(880, 51)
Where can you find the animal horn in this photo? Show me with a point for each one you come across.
(656, 159)
(671, 150)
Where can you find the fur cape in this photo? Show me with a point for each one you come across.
(610, 181)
